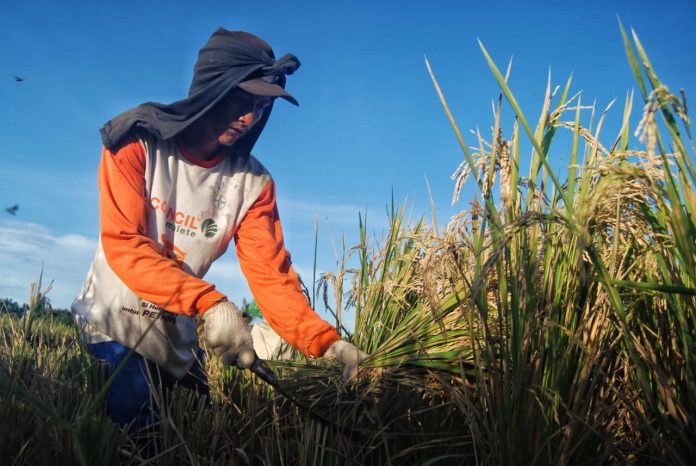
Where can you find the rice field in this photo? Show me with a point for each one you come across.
(552, 322)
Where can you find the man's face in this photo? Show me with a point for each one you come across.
(233, 116)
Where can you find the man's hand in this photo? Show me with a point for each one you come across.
(348, 355)
(226, 333)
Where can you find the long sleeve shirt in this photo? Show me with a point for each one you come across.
(165, 216)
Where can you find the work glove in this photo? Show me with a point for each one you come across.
(226, 333)
(348, 355)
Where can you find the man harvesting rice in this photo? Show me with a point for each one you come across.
(177, 183)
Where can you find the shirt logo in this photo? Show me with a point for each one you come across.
(209, 227)
(184, 223)
(220, 201)
(218, 197)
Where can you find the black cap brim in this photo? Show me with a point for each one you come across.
(266, 89)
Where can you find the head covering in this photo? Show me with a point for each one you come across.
(265, 87)
(228, 59)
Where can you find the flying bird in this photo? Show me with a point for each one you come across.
(12, 210)
(19, 79)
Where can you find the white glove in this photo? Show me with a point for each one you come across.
(226, 333)
(348, 355)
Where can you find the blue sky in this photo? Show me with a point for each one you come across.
(369, 123)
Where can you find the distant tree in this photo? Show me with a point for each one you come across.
(43, 310)
(9, 306)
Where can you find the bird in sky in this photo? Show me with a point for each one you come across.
(19, 79)
(12, 210)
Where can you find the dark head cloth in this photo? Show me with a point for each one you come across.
(227, 59)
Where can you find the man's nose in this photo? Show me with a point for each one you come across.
(247, 118)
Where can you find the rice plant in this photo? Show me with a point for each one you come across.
(566, 309)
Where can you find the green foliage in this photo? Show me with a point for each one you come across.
(8, 306)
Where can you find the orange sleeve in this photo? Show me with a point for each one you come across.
(273, 282)
(132, 255)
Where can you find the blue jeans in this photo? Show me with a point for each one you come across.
(131, 396)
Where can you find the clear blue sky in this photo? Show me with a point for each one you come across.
(369, 122)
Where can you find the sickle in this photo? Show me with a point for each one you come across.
(261, 369)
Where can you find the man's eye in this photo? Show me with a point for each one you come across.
(262, 104)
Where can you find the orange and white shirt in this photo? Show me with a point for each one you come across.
(165, 217)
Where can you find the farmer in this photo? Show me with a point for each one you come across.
(177, 184)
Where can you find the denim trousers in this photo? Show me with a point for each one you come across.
(131, 398)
